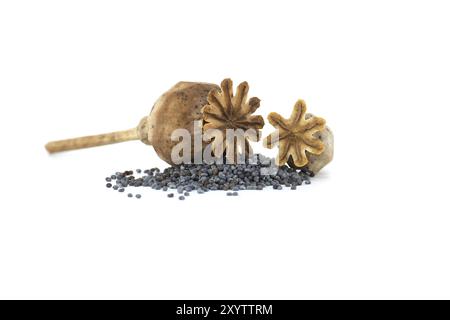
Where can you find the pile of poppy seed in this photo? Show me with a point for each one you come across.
(256, 174)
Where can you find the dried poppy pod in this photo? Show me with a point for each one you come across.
(177, 108)
(303, 140)
(226, 111)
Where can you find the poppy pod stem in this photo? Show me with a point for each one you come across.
(98, 140)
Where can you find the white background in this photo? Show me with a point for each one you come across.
(374, 224)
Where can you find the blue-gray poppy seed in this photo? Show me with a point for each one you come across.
(254, 174)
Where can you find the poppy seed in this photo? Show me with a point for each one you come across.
(255, 174)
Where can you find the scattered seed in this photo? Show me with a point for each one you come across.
(252, 175)
(138, 196)
(181, 197)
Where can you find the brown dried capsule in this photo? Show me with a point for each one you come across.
(296, 136)
(227, 111)
(178, 108)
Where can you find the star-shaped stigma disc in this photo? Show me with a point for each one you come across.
(295, 136)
